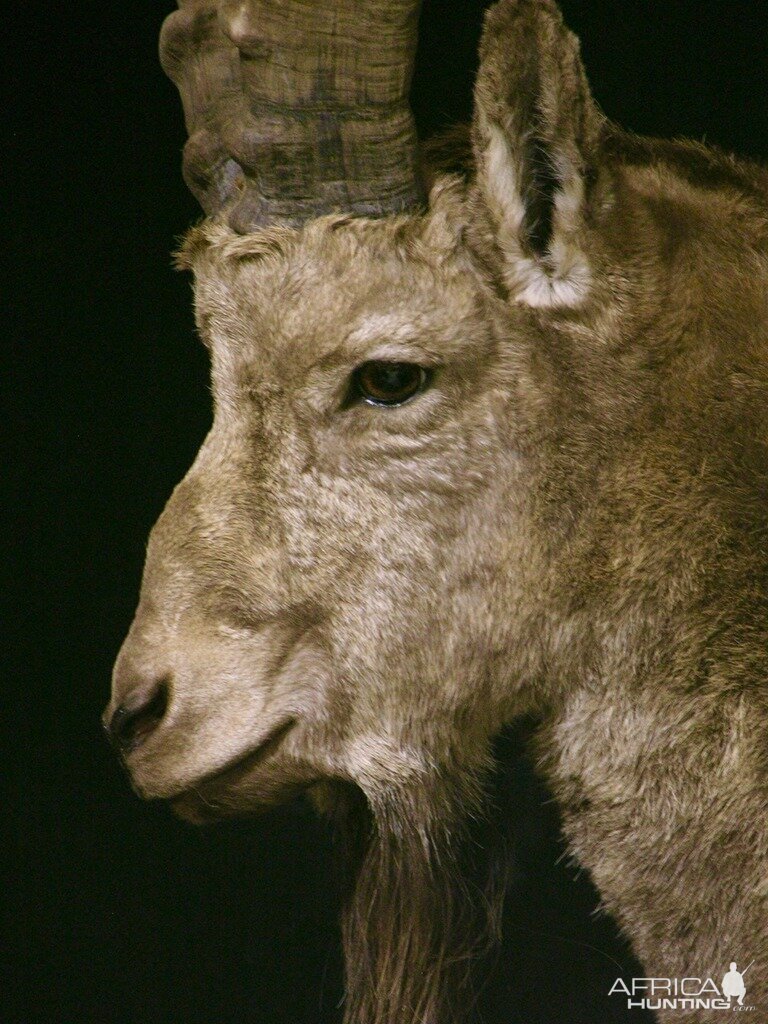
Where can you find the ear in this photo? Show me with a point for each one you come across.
(535, 132)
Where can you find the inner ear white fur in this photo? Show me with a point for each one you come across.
(561, 277)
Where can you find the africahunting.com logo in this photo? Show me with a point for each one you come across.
(685, 993)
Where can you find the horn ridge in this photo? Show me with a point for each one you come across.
(296, 108)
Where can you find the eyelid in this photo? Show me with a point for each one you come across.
(400, 352)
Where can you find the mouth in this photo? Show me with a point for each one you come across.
(237, 785)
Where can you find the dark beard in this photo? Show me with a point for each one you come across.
(426, 873)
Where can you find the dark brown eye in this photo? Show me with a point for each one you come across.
(380, 383)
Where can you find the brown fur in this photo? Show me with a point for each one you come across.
(424, 901)
(570, 522)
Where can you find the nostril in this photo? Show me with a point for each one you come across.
(133, 721)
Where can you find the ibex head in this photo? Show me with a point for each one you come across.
(329, 592)
(422, 507)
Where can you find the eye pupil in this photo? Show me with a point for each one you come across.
(383, 383)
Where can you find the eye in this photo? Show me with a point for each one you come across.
(380, 383)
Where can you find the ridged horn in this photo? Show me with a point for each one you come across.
(296, 108)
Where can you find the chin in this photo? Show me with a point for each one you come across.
(239, 793)
(196, 809)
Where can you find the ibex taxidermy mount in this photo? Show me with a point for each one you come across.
(490, 440)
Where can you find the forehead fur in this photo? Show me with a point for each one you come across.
(337, 286)
(430, 238)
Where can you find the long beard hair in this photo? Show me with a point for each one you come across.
(425, 878)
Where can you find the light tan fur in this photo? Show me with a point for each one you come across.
(571, 522)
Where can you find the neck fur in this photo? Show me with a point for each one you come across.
(663, 802)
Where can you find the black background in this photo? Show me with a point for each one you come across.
(117, 913)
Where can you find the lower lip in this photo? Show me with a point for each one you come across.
(246, 761)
